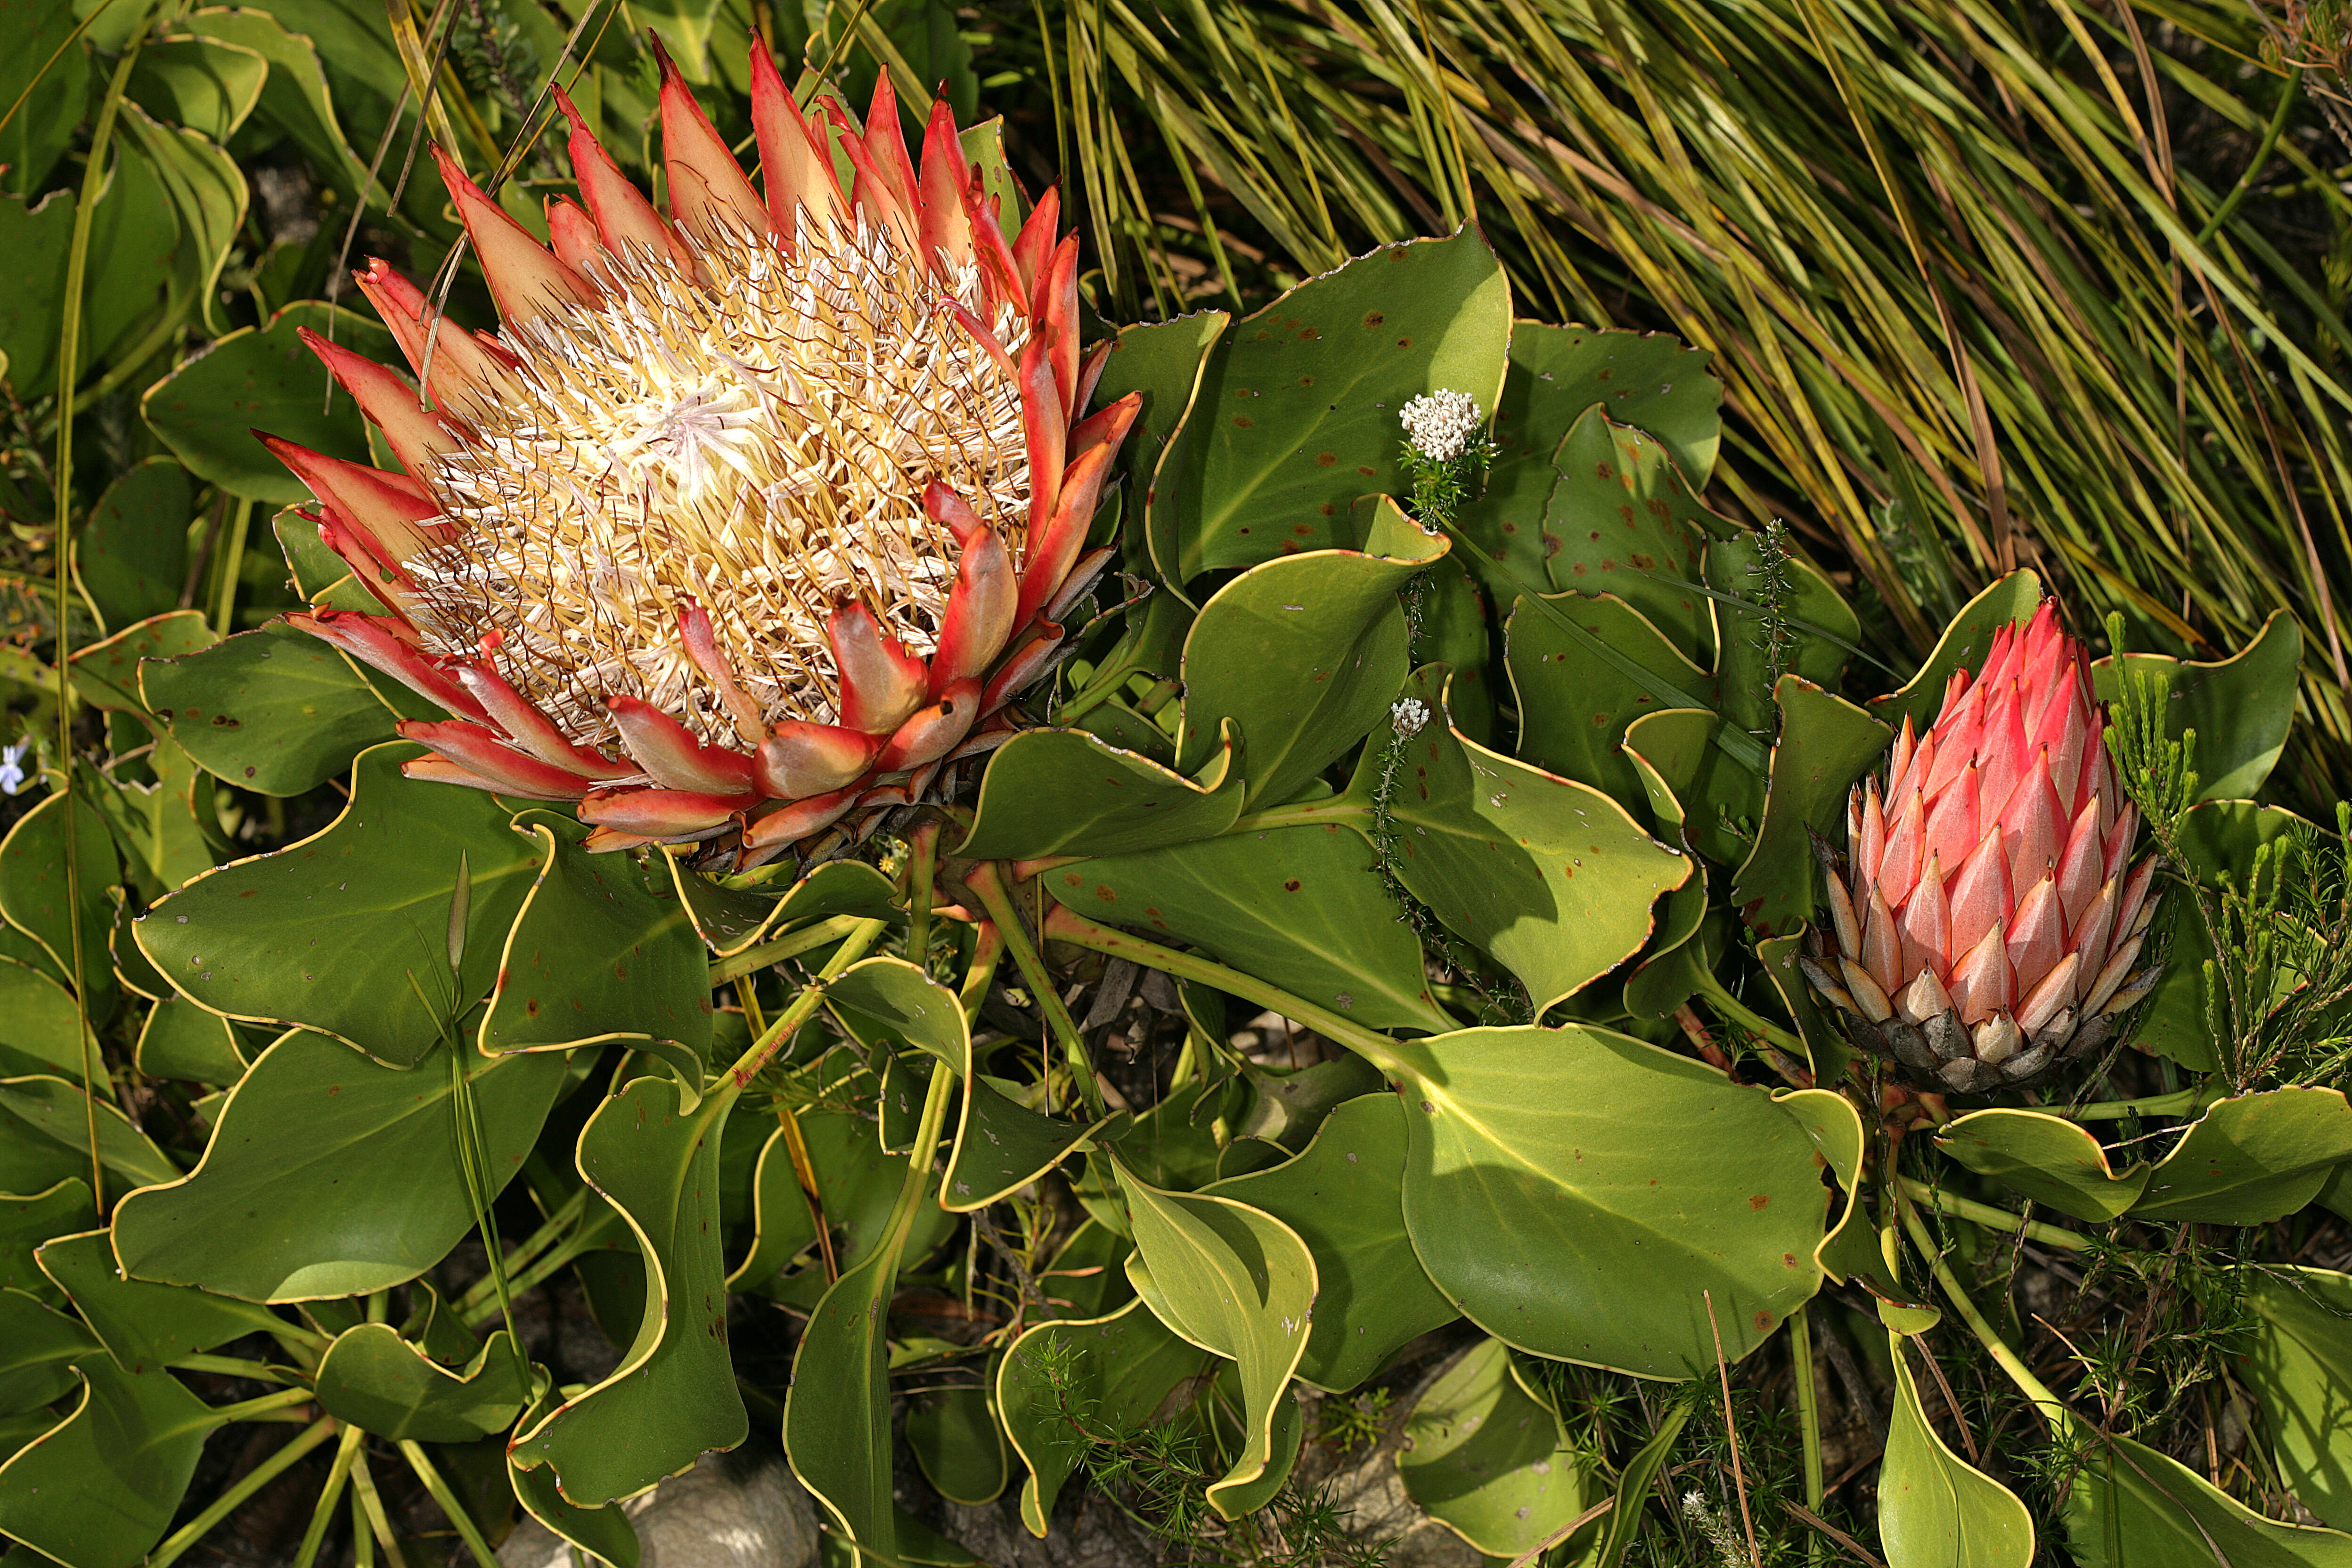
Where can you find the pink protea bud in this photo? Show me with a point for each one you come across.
(1985, 921)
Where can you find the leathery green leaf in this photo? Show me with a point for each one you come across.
(1065, 791)
(605, 1532)
(1342, 1197)
(207, 196)
(143, 1325)
(1488, 1459)
(1235, 1281)
(2045, 1158)
(2251, 1159)
(1297, 411)
(37, 235)
(38, 1344)
(325, 932)
(1002, 1146)
(57, 1207)
(1162, 360)
(2009, 602)
(1646, 379)
(131, 555)
(2299, 1366)
(1117, 1369)
(1623, 1520)
(601, 949)
(898, 1002)
(1826, 744)
(100, 1488)
(1549, 876)
(857, 1185)
(2131, 1506)
(959, 1444)
(329, 1175)
(106, 673)
(1651, 381)
(38, 135)
(1585, 1226)
(2241, 706)
(39, 1024)
(377, 1380)
(1688, 942)
(735, 920)
(181, 1040)
(203, 84)
(837, 1412)
(55, 1108)
(1620, 519)
(264, 378)
(673, 1395)
(274, 711)
(1574, 709)
(1820, 627)
(1303, 655)
(295, 97)
(33, 894)
(1934, 1511)
(1301, 906)
(1699, 795)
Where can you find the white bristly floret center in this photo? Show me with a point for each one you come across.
(756, 438)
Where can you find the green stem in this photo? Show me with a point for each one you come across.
(363, 1535)
(804, 1006)
(922, 870)
(447, 1499)
(1720, 998)
(229, 1501)
(2182, 1103)
(1104, 686)
(1992, 1218)
(322, 1515)
(232, 566)
(237, 1366)
(1809, 1412)
(2010, 1362)
(1339, 808)
(753, 959)
(919, 1159)
(540, 1270)
(558, 1225)
(370, 1506)
(2271, 134)
(1063, 925)
(987, 951)
(255, 1409)
(93, 178)
(989, 885)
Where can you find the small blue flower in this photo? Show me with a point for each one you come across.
(12, 766)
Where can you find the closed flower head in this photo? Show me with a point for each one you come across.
(1987, 923)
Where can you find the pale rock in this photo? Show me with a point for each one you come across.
(728, 1511)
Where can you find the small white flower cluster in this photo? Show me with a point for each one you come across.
(1714, 1524)
(1440, 424)
(1408, 715)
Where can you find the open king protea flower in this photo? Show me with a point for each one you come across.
(750, 516)
(1988, 921)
